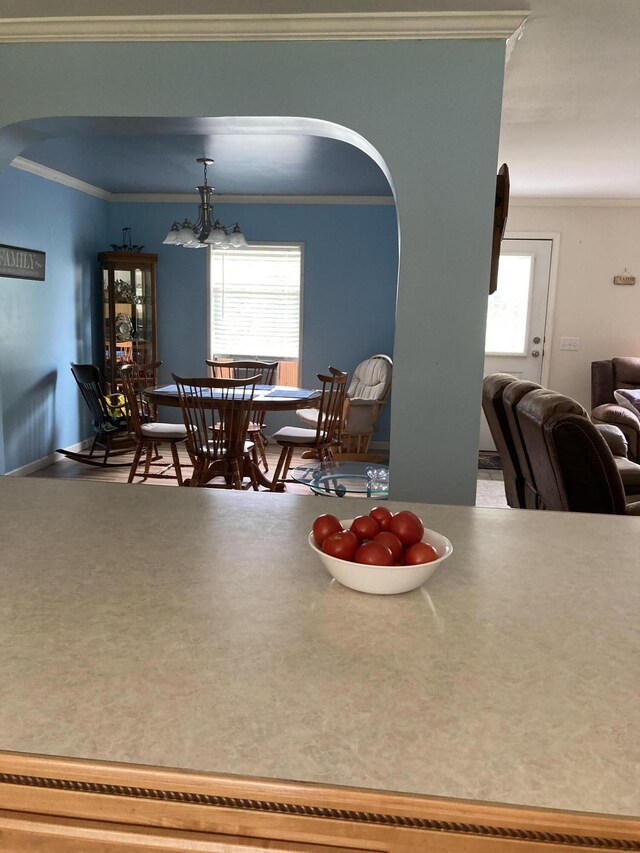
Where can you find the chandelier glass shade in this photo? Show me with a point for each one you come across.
(207, 231)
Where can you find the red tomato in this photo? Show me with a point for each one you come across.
(407, 526)
(374, 554)
(324, 526)
(419, 553)
(382, 515)
(365, 527)
(342, 545)
(392, 542)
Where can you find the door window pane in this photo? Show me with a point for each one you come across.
(508, 314)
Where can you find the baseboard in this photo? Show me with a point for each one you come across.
(37, 464)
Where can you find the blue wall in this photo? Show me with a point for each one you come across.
(350, 275)
(350, 280)
(428, 112)
(46, 325)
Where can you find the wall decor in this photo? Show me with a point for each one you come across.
(21, 263)
(625, 278)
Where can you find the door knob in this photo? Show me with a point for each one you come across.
(536, 353)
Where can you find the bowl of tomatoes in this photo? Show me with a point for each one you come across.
(382, 552)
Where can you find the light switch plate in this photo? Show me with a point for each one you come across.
(570, 343)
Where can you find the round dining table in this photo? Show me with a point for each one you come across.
(268, 398)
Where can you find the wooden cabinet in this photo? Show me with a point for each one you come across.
(128, 287)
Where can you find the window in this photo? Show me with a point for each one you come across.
(255, 305)
(508, 315)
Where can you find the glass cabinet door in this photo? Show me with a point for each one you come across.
(128, 304)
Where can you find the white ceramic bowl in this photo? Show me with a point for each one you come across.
(384, 580)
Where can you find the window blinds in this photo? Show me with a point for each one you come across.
(255, 301)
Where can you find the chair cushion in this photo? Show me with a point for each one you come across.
(294, 435)
(168, 432)
(371, 379)
(308, 416)
(615, 438)
(629, 474)
(629, 398)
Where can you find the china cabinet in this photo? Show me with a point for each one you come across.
(128, 287)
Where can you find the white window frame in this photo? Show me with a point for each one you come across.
(257, 244)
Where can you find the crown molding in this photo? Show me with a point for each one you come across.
(568, 201)
(60, 178)
(319, 26)
(255, 199)
(191, 198)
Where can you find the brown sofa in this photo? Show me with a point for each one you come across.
(608, 376)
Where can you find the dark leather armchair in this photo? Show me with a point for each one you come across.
(512, 395)
(573, 468)
(501, 396)
(517, 484)
(606, 377)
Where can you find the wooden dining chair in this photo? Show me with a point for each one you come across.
(216, 415)
(147, 432)
(243, 370)
(327, 434)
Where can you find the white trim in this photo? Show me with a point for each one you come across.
(192, 198)
(60, 178)
(554, 236)
(256, 199)
(318, 26)
(76, 184)
(572, 201)
(45, 461)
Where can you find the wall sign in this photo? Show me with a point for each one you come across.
(21, 263)
(625, 278)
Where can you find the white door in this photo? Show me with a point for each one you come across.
(517, 315)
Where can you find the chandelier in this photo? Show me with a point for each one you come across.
(207, 231)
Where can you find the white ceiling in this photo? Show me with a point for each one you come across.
(571, 111)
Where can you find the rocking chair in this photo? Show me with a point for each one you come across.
(108, 419)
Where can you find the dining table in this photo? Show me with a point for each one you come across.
(267, 398)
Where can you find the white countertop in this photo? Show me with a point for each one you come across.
(195, 629)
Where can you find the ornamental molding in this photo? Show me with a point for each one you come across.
(498, 832)
(319, 26)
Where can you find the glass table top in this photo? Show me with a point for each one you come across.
(368, 479)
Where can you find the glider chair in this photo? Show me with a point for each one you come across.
(109, 421)
(326, 434)
(216, 414)
(573, 466)
(366, 395)
(145, 429)
(242, 370)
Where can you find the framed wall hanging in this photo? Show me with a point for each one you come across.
(21, 263)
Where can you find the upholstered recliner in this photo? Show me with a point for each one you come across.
(501, 396)
(366, 395)
(573, 468)
(607, 377)
(493, 388)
